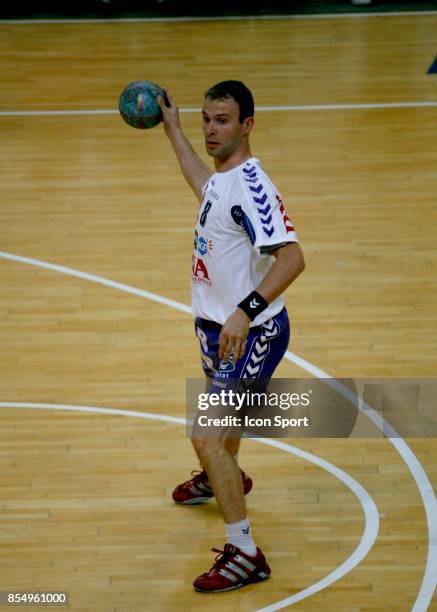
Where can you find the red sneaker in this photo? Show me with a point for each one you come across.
(198, 490)
(232, 570)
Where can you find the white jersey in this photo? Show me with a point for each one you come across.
(240, 219)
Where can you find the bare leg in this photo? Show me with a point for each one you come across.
(216, 456)
(232, 445)
(224, 476)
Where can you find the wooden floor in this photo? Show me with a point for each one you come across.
(85, 496)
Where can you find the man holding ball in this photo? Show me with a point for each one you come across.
(246, 254)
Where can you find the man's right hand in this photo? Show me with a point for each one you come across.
(170, 112)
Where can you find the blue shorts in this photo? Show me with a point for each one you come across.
(265, 347)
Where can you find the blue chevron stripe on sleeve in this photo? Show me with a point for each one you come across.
(260, 200)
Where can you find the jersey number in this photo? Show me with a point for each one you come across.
(204, 214)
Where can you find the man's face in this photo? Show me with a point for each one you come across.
(222, 128)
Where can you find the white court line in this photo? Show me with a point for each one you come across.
(285, 107)
(371, 515)
(426, 490)
(301, 16)
(429, 581)
(100, 280)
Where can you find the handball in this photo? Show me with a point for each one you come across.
(138, 105)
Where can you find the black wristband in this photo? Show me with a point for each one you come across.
(253, 304)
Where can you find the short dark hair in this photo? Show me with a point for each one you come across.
(237, 90)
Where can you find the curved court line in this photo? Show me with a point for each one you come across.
(429, 581)
(367, 539)
(98, 279)
(371, 515)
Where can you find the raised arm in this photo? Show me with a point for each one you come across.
(195, 171)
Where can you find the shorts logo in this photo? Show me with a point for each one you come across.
(227, 366)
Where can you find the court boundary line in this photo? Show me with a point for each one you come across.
(298, 17)
(368, 506)
(279, 108)
(423, 484)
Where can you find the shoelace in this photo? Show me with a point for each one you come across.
(221, 559)
(200, 476)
